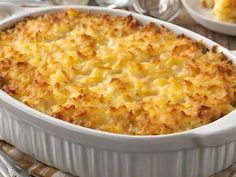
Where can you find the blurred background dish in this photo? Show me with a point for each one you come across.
(206, 18)
(224, 10)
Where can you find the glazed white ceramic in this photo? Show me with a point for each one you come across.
(91, 153)
(206, 18)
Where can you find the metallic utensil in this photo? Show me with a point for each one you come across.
(8, 168)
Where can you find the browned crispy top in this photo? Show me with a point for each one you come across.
(113, 74)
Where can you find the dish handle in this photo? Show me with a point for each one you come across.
(222, 131)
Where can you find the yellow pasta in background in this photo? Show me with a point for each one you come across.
(224, 9)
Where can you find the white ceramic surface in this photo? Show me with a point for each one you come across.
(206, 18)
(91, 153)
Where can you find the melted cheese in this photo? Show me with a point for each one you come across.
(112, 74)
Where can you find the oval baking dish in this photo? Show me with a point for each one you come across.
(85, 152)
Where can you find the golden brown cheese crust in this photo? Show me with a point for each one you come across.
(112, 74)
(223, 9)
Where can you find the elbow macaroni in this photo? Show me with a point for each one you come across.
(112, 74)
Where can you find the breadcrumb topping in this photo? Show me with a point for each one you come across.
(115, 75)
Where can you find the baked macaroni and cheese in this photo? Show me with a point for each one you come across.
(224, 9)
(115, 75)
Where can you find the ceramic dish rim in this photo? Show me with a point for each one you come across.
(44, 117)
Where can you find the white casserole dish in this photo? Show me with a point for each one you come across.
(91, 153)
